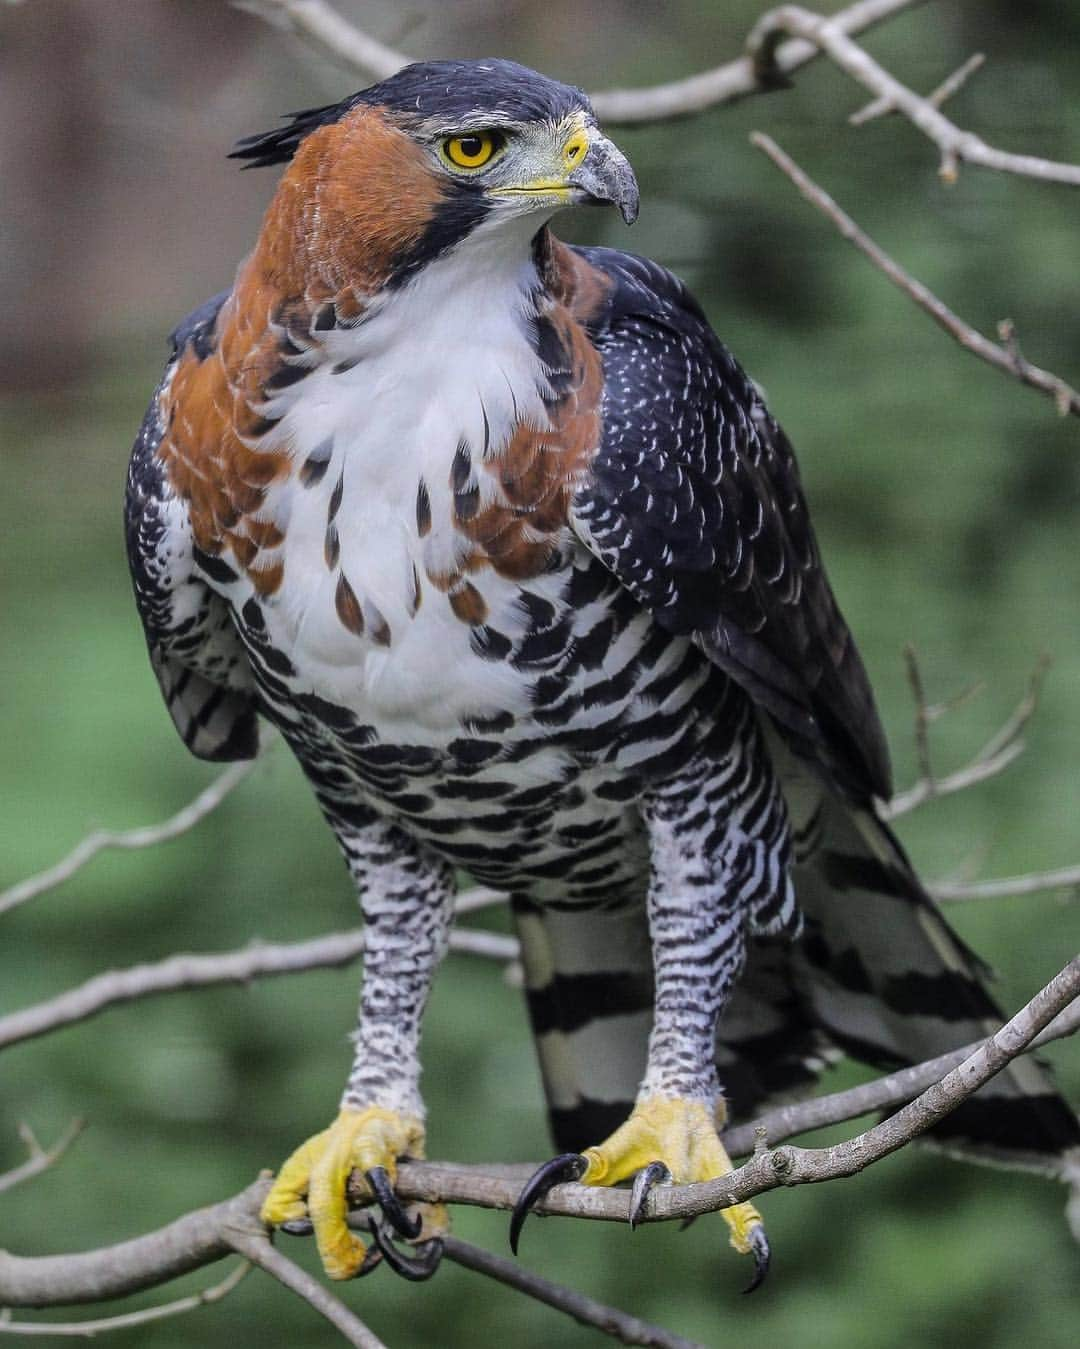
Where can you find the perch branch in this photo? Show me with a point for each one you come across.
(209, 1234)
(88, 1329)
(320, 24)
(1001, 356)
(586, 1310)
(769, 1167)
(40, 1158)
(954, 144)
(207, 801)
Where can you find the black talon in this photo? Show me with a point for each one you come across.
(372, 1260)
(759, 1249)
(391, 1205)
(428, 1255)
(297, 1227)
(656, 1173)
(566, 1167)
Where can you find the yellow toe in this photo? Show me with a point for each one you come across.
(683, 1135)
(313, 1180)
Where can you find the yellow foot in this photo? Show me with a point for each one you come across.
(666, 1138)
(312, 1182)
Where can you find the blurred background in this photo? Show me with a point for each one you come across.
(946, 499)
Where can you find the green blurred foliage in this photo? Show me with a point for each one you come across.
(945, 497)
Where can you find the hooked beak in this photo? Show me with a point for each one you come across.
(605, 175)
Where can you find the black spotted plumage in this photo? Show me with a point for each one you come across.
(694, 501)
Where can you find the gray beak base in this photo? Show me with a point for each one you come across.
(605, 174)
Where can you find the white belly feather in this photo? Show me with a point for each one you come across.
(446, 360)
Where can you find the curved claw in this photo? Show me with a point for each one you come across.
(566, 1167)
(428, 1255)
(656, 1173)
(759, 1249)
(391, 1205)
(297, 1227)
(373, 1258)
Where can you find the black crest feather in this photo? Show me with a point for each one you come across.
(448, 90)
(279, 146)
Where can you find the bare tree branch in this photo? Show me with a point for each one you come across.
(1030, 884)
(40, 1158)
(199, 1238)
(882, 107)
(175, 973)
(1000, 750)
(346, 44)
(88, 1329)
(1065, 398)
(322, 26)
(251, 1241)
(955, 145)
(787, 1121)
(207, 800)
(179, 972)
(586, 1310)
(209, 1234)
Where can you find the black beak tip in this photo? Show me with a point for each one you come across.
(628, 208)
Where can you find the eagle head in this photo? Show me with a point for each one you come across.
(403, 172)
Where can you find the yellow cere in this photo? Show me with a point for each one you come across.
(472, 151)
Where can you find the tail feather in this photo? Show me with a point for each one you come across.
(886, 979)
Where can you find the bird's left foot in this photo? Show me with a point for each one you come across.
(666, 1139)
(312, 1185)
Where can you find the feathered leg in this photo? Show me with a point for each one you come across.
(720, 853)
(406, 898)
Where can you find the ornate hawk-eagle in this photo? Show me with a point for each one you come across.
(506, 545)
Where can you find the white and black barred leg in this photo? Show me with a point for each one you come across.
(720, 857)
(406, 896)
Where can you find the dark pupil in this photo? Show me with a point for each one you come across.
(471, 146)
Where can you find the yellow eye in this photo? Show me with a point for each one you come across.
(471, 151)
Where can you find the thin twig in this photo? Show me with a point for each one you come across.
(1030, 884)
(251, 1241)
(345, 43)
(882, 107)
(922, 717)
(1065, 398)
(207, 801)
(40, 1158)
(88, 1329)
(1003, 747)
(586, 1310)
(954, 144)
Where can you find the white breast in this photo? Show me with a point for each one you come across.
(446, 360)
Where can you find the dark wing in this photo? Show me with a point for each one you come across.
(194, 649)
(694, 502)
